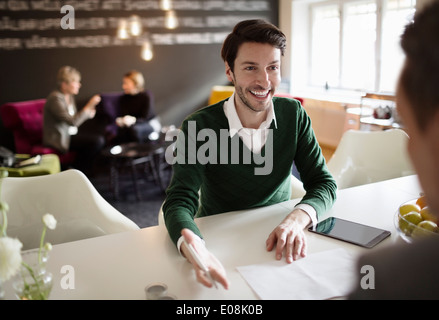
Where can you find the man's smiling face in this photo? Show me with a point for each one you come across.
(256, 75)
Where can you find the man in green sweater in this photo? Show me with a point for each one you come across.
(239, 153)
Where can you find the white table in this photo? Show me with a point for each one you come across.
(119, 266)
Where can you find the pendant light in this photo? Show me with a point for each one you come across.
(171, 21)
(146, 52)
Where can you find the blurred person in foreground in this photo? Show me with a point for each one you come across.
(410, 271)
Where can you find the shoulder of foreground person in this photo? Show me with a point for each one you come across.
(399, 271)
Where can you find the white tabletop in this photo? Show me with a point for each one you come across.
(119, 266)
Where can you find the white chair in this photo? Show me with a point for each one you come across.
(370, 156)
(161, 218)
(297, 190)
(81, 212)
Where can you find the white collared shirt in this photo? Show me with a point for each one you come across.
(254, 139)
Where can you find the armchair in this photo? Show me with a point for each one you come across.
(370, 156)
(25, 120)
(81, 212)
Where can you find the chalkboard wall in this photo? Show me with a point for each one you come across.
(34, 44)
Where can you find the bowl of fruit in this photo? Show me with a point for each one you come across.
(414, 220)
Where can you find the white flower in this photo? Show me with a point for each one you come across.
(49, 221)
(10, 257)
(48, 246)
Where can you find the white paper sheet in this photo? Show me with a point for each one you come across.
(322, 275)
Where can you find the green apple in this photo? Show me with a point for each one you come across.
(425, 228)
(429, 225)
(413, 217)
(409, 207)
(408, 222)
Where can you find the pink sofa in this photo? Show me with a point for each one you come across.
(25, 120)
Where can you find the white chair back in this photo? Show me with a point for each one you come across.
(370, 156)
(81, 212)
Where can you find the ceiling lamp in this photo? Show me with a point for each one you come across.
(146, 52)
(122, 30)
(166, 5)
(171, 21)
(135, 26)
(131, 27)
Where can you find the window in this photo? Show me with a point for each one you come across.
(325, 51)
(359, 37)
(354, 44)
(396, 16)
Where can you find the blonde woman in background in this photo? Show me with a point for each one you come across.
(136, 110)
(61, 121)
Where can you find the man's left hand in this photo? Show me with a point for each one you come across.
(289, 236)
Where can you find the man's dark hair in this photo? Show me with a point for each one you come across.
(420, 76)
(256, 30)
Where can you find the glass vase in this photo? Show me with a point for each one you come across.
(33, 281)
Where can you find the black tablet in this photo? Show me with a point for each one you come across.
(352, 232)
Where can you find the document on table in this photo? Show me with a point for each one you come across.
(324, 275)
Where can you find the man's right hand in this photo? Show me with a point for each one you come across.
(215, 267)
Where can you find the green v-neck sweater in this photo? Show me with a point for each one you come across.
(214, 173)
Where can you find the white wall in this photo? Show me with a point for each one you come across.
(285, 24)
(294, 14)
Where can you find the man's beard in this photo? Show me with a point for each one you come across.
(262, 105)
